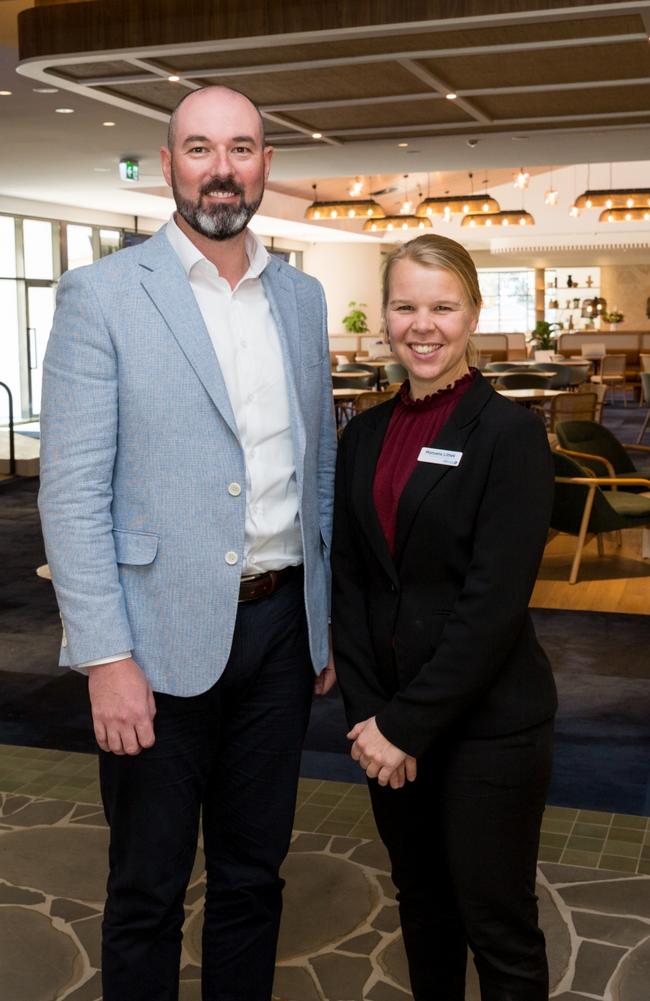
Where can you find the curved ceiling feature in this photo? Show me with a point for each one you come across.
(357, 72)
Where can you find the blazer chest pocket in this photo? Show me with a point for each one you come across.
(135, 548)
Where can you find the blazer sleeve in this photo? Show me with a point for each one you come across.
(510, 533)
(79, 429)
(326, 450)
(353, 653)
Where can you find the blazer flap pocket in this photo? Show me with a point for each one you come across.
(136, 548)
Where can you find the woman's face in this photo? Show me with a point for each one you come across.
(429, 319)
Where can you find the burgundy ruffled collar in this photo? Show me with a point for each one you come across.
(438, 398)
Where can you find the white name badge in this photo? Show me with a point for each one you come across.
(440, 456)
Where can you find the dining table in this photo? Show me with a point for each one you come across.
(529, 396)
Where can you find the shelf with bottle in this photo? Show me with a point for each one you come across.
(572, 297)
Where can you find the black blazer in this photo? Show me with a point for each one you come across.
(438, 640)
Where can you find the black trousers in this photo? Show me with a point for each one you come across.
(463, 842)
(234, 753)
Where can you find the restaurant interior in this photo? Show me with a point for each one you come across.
(520, 129)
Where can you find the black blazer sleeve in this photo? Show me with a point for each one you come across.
(487, 631)
(354, 658)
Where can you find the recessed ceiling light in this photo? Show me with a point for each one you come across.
(64, 111)
(5, 93)
(108, 124)
(317, 135)
(451, 96)
(519, 139)
(173, 78)
(45, 90)
(402, 145)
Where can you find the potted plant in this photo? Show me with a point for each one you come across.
(544, 335)
(614, 317)
(356, 321)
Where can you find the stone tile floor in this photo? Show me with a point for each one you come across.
(340, 938)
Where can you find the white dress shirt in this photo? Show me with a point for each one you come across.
(246, 341)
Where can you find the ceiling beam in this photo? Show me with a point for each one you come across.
(442, 88)
(298, 127)
(498, 122)
(382, 57)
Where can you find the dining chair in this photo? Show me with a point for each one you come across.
(582, 508)
(572, 406)
(362, 379)
(612, 373)
(645, 393)
(355, 366)
(365, 401)
(524, 380)
(600, 391)
(645, 362)
(395, 372)
(594, 446)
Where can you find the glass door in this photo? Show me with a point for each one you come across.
(40, 311)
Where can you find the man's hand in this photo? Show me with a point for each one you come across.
(378, 757)
(123, 707)
(327, 676)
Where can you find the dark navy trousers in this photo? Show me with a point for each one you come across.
(232, 753)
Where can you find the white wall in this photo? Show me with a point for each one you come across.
(347, 271)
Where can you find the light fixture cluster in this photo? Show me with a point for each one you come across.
(362, 208)
(509, 218)
(476, 210)
(618, 204)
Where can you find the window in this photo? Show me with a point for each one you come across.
(508, 300)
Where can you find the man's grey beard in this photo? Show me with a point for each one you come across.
(216, 222)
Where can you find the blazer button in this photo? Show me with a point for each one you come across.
(231, 558)
(234, 489)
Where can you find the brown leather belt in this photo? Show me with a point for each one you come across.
(264, 584)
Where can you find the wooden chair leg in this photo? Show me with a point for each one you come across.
(601, 544)
(644, 428)
(584, 524)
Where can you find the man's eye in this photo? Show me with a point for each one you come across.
(404, 309)
(196, 149)
(442, 309)
(242, 149)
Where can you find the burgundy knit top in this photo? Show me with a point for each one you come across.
(414, 424)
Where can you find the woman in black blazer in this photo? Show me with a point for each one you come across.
(443, 500)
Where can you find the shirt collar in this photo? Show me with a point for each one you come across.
(189, 254)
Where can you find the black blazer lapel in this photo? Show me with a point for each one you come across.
(426, 476)
(370, 439)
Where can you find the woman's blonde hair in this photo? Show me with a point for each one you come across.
(437, 252)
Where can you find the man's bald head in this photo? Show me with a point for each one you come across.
(208, 92)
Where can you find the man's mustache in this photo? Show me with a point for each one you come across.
(222, 184)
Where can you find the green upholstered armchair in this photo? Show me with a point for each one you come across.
(582, 507)
(595, 447)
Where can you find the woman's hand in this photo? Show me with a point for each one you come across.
(378, 757)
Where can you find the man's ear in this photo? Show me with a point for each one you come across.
(166, 165)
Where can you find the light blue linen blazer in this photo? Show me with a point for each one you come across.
(139, 445)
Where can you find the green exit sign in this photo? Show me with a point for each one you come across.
(129, 170)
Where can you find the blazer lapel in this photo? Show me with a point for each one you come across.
(371, 439)
(426, 476)
(166, 284)
(281, 297)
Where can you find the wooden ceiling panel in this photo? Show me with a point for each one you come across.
(406, 42)
(578, 102)
(622, 61)
(382, 115)
(159, 94)
(336, 83)
(81, 71)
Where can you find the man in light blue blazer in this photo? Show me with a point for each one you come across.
(187, 463)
